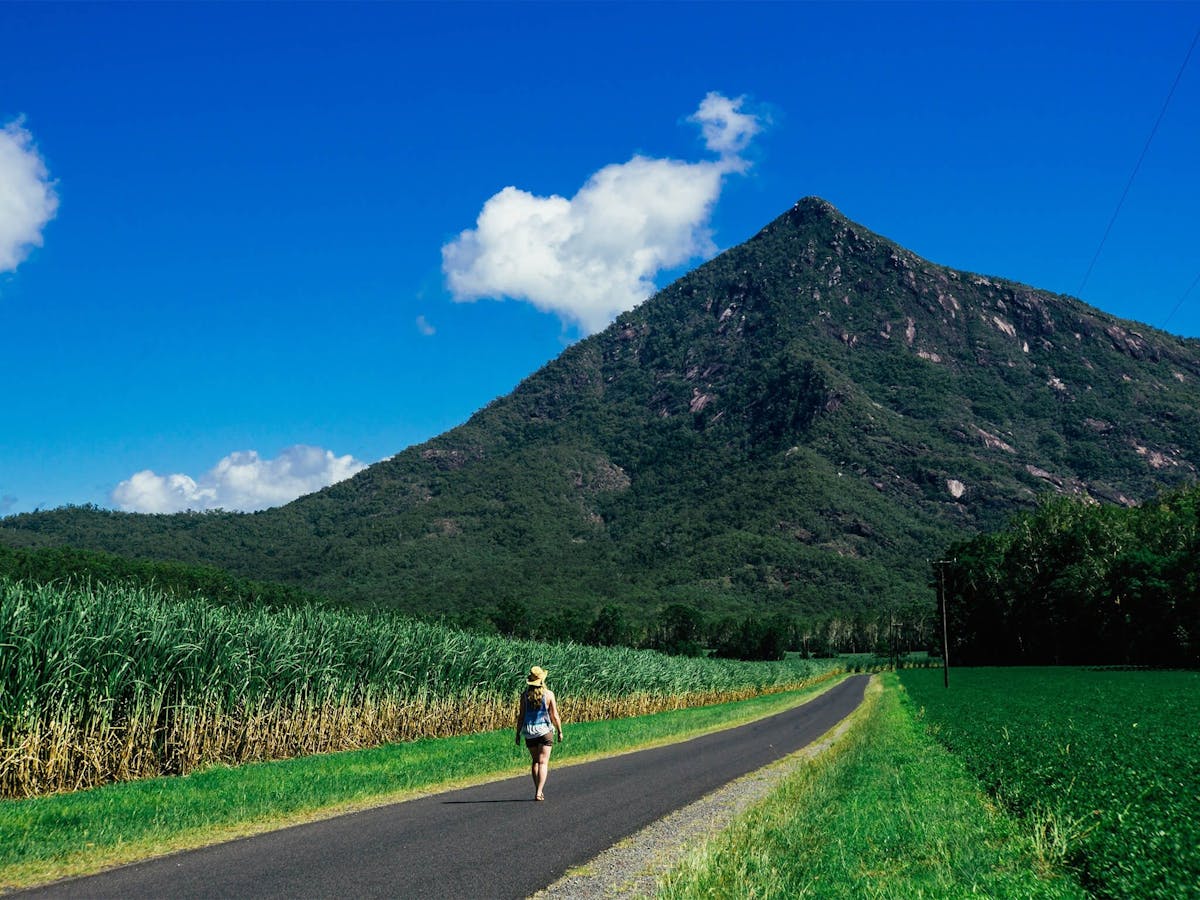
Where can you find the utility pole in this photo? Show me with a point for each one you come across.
(940, 565)
(894, 634)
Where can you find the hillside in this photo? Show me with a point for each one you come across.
(797, 425)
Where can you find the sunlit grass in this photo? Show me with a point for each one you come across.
(885, 813)
(1103, 767)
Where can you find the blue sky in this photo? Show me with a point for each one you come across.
(226, 269)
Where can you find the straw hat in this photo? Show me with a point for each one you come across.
(537, 677)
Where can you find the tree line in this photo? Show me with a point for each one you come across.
(1079, 583)
(683, 629)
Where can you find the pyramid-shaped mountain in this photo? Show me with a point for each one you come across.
(798, 425)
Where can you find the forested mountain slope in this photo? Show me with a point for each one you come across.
(797, 425)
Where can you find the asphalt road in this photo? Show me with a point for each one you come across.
(480, 842)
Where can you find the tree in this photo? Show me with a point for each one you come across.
(678, 630)
(511, 618)
(610, 628)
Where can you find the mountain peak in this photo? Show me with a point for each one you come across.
(817, 206)
(798, 424)
(821, 221)
(811, 211)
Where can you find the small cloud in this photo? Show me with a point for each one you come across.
(242, 481)
(7, 502)
(27, 197)
(595, 255)
(726, 129)
(424, 327)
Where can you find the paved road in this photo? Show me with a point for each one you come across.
(480, 842)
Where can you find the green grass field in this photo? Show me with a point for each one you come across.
(886, 813)
(1103, 767)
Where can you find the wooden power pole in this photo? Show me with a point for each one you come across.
(940, 565)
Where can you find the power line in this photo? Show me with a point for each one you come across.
(1133, 175)
(1180, 303)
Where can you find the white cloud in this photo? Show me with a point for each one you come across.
(27, 198)
(424, 327)
(595, 255)
(726, 130)
(7, 502)
(241, 481)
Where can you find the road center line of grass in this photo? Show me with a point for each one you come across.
(44, 839)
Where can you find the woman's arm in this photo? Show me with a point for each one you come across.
(520, 718)
(552, 708)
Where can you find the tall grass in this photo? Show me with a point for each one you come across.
(102, 683)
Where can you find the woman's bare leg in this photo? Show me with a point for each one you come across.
(535, 763)
(541, 769)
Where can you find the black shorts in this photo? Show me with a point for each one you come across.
(545, 740)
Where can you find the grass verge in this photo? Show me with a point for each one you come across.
(47, 838)
(886, 812)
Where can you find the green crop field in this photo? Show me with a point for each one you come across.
(110, 682)
(886, 813)
(1103, 766)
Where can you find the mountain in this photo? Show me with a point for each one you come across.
(798, 425)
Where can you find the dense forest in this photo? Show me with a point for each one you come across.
(1077, 582)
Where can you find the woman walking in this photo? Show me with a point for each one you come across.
(537, 720)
